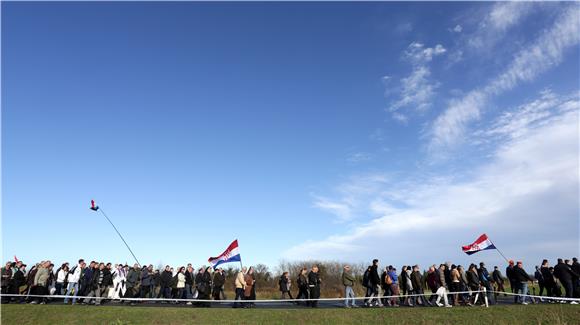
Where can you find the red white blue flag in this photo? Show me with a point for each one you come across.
(231, 254)
(481, 243)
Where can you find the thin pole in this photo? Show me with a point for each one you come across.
(241, 266)
(118, 233)
(500, 253)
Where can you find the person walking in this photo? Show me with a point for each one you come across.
(564, 273)
(522, 278)
(302, 283)
(498, 280)
(393, 282)
(240, 285)
(74, 277)
(314, 285)
(180, 283)
(348, 282)
(165, 283)
(41, 279)
(219, 281)
(284, 285)
(249, 280)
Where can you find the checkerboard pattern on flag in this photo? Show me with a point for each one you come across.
(231, 254)
(481, 243)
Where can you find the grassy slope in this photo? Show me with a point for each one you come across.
(26, 314)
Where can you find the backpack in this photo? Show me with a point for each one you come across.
(388, 279)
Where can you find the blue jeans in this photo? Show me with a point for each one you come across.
(188, 292)
(349, 294)
(523, 289)
(71, 286)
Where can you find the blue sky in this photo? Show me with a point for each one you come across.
(343, 131)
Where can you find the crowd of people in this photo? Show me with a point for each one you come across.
(449, 284)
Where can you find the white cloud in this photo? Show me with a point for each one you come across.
(545, 52)
(506, 14)
(518, 122)
(417, 89)
(352, 195)
(341, 209)
(497, 21)
(418, 53)
(530, 184)
(456, 29)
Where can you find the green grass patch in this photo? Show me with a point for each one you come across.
(119, 315)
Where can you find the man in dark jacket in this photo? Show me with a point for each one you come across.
(417, 283)
(498, 280)
(375, 282)
(87, 278)
(575, 279)
(366, 282)
(509, 273)
(565, 274)
(219, 280)
(146, 277)
(133, 277)
(522, 278)
(314, 286)
(99, 284)
(165, 283)
(484, 278)
(548, 277)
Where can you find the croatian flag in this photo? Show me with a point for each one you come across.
(94, 207)
(480, 244)
(231, 254)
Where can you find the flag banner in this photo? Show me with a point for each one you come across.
(231, 254)
(481, 243)
(93, 206)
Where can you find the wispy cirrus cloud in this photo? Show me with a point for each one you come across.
(542, 54)
(417, 89)
(351, 197)
(501, 17)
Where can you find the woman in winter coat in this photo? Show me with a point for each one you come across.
(249, 279)
(180, 282)
(302, 283)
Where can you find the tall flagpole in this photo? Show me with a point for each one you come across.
(241, 266)
(96, 208)
(500, 253)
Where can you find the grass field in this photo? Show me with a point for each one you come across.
(60, 314)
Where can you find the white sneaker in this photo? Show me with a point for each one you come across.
(189, 303)
(524, 303)
(448, 306)
(573, 303)
(439, 304)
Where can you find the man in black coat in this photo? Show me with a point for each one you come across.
(375, 282)
(575, 278)
(314, 286)
(563, 272)
(548, 278)
(219, 279)
(509, 273)
(165, 283)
